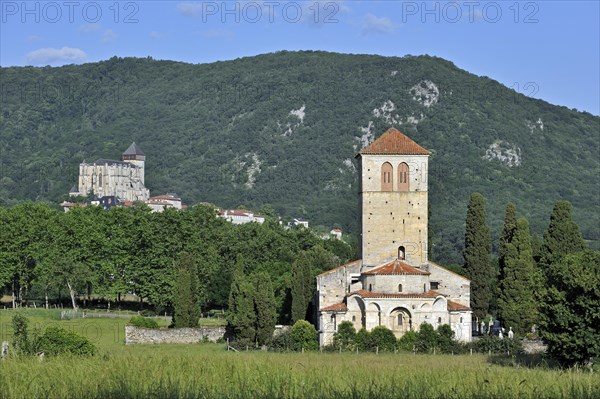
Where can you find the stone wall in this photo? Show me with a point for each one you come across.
(139, 335)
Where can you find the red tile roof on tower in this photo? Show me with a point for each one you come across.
(394, 142)
(396, 267)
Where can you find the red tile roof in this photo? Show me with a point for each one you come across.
(152, 201)
(166, 197)
(368, 294)
(339, 267)
(336, 307)
(394, 142)
(396, 267)
(455, 306)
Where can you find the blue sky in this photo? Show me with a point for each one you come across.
(545, 49)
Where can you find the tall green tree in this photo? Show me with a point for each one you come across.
(562, 236)
(477, 256)
(264, 307)
(508, 231)
(303, 285)
(571, 310)
(185, 300)
(517, 303)
(241, 317)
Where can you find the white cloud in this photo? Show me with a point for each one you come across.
(108, 36)
(190, 9)
(373, 24)
(52, 55)
(218, 34)
(89, 28)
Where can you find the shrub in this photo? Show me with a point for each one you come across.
(383, 338)
(304, 336)
(362, 339)
(20, 333)
(445, 339)
(489, 343)
(345, 336)
(56, 340)
(407, 341)
(426, 338)
(283, 341)
(139, 321)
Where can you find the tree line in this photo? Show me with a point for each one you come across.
(89, 253)
(547, 287)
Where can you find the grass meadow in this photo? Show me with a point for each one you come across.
(209, 371)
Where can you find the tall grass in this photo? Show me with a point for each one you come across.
(208, 371)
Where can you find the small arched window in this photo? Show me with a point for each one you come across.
(399, 319)
(401, 253)
(387, 172)
(439, 320)
(403, 177)
(370, 287)
(399, 287)
(425, 287)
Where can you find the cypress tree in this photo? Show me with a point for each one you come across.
(563, 236)
(264, 307)
(571, 326)
(517, 305)
(241, 317)
(508, 231)
(186, 301)
(303, 286)
(477, 255)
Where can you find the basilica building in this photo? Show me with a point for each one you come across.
(122, 179)
(394, 284)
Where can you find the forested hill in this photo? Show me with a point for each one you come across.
(283, 129)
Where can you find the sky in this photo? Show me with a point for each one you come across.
(544, 49)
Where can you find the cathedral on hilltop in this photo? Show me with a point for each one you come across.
(394, 284)
(110, 178)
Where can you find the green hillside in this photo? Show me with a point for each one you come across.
(283, 129)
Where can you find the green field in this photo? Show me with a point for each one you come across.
(209, 371)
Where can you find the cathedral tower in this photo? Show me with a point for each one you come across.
(135, 156)
(393, 200)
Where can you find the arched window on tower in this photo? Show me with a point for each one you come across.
(401, 253)
(387, 177)
(403, 177)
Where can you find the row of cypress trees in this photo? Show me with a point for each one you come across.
(524, 288)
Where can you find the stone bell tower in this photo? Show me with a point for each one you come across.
(393, 200)
(135, 156)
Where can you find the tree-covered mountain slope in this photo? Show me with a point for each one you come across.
(283, 129)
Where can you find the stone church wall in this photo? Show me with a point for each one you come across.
(457, 287)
